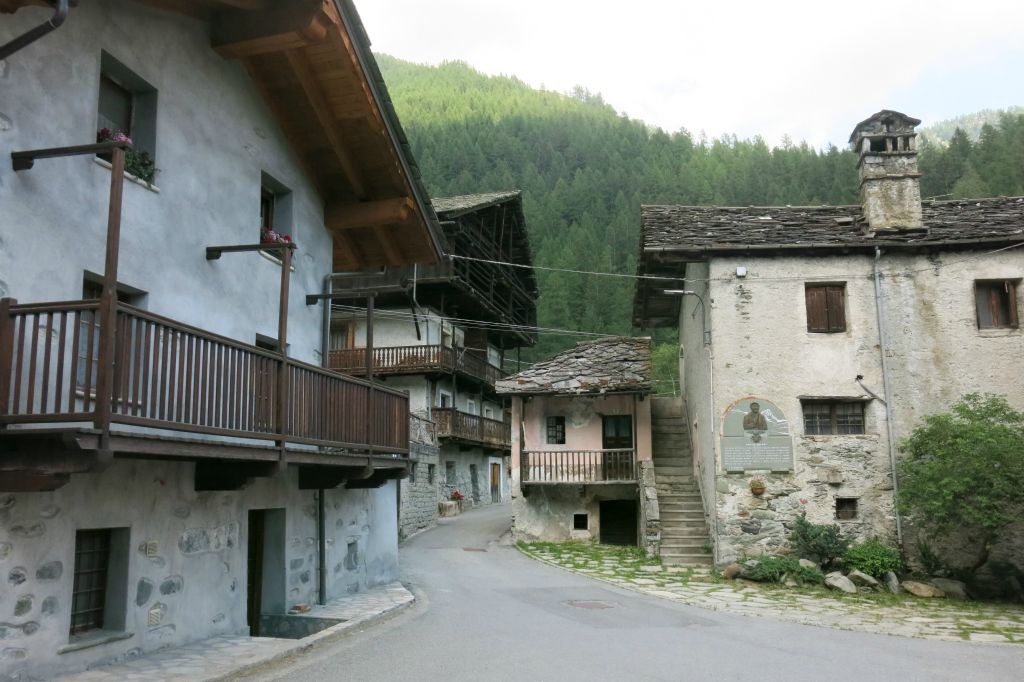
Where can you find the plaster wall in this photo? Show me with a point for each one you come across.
(396, 327)
(762, 348)
(547, 514)
(214, 137)
(583, 426)
(185, 567)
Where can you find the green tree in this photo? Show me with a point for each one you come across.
(963, 470)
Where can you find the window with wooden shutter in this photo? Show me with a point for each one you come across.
(833, 417)
(996, 304)
(826, 307)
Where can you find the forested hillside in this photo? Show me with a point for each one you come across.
(585, 170)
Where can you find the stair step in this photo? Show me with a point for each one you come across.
(672, 559)
(690, 531)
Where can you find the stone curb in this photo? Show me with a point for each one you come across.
(314, 641)
(724, 608)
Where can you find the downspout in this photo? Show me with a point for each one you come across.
(321, 507)
(886, 389)
(60, 13)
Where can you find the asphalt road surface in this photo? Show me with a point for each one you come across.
(486, 612)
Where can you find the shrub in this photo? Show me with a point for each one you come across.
(821, 543)
(873, 557)
(771, 569)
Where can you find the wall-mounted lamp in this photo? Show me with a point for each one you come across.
(703, 324)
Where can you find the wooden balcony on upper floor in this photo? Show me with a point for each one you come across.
(472, 428)
(578, 467)
(437, 359)
(178, 392)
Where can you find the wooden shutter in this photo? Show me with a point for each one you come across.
(1011, 299)
(817, 309)
(836, 308)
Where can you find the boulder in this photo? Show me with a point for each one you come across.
(954, 589)
(892, 582)
(732, 571)
(863, 579)
(922, 589)
(789, 581)
(807, 563)
(838, 581)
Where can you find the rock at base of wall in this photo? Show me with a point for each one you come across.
(838, 581)
(863, 579)
(448, 508)
(732, 571)
(892, 582)
(954, 589)
(807, 563)
(922, 589)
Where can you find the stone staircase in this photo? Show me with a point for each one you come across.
(684, 533)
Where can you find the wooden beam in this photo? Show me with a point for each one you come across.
(315, 94)
(316, 477)
(340, 217)
(354, 254)
(218, 475)
(31, 482)
(241, 33)
(389, 245)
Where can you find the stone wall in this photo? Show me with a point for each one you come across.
(475, 489)
(419, 494)
(545, 513)
(650, 516)
(185, 566)
(761, 349)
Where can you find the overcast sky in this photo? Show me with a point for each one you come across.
(809, 68)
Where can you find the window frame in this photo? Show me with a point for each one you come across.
(830, 297)
(450, 474)
(834, 421)
(554, 430)
(93, 605)
(1009, 288)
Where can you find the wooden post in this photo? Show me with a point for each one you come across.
(282, 349)
(108, 308)
(369, 411)
(6, 354)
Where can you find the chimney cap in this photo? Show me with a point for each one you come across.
(884, 121)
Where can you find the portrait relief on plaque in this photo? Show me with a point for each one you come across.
(756, 436)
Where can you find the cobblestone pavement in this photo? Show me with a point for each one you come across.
(222, 657)
(890, 614)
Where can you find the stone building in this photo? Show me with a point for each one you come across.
(581, 445)
(845, 325)
(175, 461)
(442, 333)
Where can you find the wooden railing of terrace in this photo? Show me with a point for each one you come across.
(169, 375)
(452, 423)
(415, 360)
(579, 466)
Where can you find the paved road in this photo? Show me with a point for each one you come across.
(497, 615)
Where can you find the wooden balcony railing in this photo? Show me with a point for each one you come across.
(169, 375)
(415, 360)
(579, 466)
(452, 423)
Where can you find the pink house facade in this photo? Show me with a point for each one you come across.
(581, 444)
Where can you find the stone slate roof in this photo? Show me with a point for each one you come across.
(722, 229)
(610, 365)
(453, 206)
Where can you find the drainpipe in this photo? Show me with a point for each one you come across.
(887, 390)
(60, 13)
(321, 508)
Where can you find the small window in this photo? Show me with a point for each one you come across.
(444, 399)
(431, 473)
(472, 408)
(100, 580)
(846, 508)
(89, 328)
(996, 304)
(127, 106)
(832, 418)
(878, 144)
(556, 431)
(579, 521)
(826, 307)
(488, 413)
(449, 473)
(275, 211)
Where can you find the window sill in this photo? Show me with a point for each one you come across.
(997, 332)
(131, 178)
(274, 259)
(91, 639)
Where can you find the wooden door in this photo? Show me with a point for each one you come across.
(254, 601)
(495, 482)
(618, 522)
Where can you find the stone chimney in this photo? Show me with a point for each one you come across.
(890, 192)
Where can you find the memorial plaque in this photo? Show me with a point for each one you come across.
(755, 436)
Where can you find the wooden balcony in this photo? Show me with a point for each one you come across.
(472, 428)
(416, 360)
(578, 467)
(180, 392)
